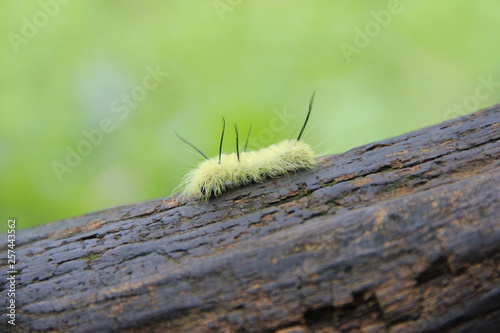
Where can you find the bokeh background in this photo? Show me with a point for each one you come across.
(91, 92)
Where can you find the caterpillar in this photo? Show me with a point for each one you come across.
(216, 175)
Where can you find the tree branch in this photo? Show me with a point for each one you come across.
(402, 235)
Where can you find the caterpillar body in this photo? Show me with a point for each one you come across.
(216, 175)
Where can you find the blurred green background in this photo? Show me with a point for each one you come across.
(88, 111)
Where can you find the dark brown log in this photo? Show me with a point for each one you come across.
(402, 235)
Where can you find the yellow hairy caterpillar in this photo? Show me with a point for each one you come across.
(216, 175)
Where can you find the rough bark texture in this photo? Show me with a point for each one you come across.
(402, 235)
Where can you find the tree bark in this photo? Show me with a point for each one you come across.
(402, 235)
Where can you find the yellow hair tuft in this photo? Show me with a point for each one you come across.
(211, 179)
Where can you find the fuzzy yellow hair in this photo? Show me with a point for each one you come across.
(216, 175)
(212, 179)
